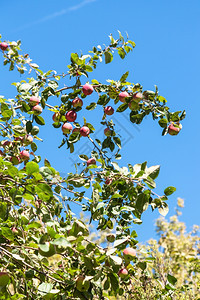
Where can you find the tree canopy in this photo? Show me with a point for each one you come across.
(36, 215)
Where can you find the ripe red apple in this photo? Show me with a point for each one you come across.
(84, 131)
(37, 109)
(56, 117)
(1, 153)
(77, 102)
(174, 129)
(137, 97)
(66, 128)
(109, 110)
(81, 284)
(4, 279)
(34, 101)
(24, 155)
(123, 273)
(123, 95)
(133, 105)
(91, 161)
(27, 140)
(87, 89)
(71, 116)
(3, 46)
(107, 131)
(76, 130)
(129, 253)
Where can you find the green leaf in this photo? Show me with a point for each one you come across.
(141, 202)
(120, 242)
(45, 287)
(153, 171)
(116, 260)
(163, 123)
(164, 209)
(122, 107)
(24, 88)
(32, 167)
(124, 77)
(114, 280)
(161, 99)
(91, 106)
(29, 126)
(19, 130)
(108, 57)
(61, 241)
(171, 279)
(44, 191)
(121, 53)
(103, 100)
(28, 196)
(12, 171)
(74, 137)
(46, 172)
(117, 141)
(33, 147)
(7, 233)
(169, 190)
(39, 120)
(83, 157)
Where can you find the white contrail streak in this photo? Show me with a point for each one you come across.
(55, 15)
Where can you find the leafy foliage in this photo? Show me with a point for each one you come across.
(37, 222)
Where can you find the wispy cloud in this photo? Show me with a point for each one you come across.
(55, 15)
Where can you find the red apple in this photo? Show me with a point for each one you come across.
(3, 46)
(109, 110)
(71, 116)
(123, 95)
(77, 102)
(84, 131)
(91, 161)
(66, 128)
(34, 101)
(1, 153)
(24, 155)
(137, 97)
(37, 109)
(56, 117)
(174, 129)
(87, 89)
(107, 131)
(123, 273)
(129, 253)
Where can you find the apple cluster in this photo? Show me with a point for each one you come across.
(71, 115)
(11, 149)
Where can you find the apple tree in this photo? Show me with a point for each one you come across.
(45, 248)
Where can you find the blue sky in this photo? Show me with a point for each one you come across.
(167, 50)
